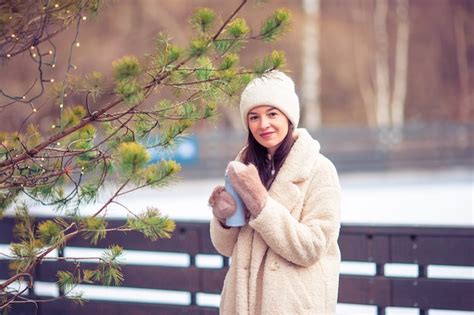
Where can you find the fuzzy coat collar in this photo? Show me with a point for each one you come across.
(296, 169)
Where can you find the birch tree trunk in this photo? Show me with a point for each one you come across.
(401, 64)
(467, 91)
(311, 70)
(382, 86)
(363, 74)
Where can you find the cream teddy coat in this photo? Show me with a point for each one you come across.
(286, 260)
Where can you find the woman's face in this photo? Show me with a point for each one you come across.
(268, 126)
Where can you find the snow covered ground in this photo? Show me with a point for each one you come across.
(442, 197)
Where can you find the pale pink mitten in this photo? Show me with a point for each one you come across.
(248, 185)
(222, 203)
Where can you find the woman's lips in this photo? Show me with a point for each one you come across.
(266, 134)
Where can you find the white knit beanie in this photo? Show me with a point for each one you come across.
(274, 89)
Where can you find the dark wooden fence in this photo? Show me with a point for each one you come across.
(379, 245)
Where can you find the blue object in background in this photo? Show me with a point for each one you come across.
(185, 152)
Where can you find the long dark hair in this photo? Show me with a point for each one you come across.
(257, 154)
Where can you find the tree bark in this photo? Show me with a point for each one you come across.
(360, 49)
(311, 69)
(401, 63)
(382, 86)
(467, 96)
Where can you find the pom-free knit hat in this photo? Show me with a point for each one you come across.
(274, 89)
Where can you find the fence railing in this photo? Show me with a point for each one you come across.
(422, 247)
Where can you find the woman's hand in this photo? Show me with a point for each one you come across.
(222, 203)
(248, 185)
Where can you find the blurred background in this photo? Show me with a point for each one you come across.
(386, 86)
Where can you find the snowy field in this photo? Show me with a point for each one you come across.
(443, 197)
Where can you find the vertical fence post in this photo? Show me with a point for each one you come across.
(60, 254)
(422, 273)
(192, 262)
(380, 271)
(225, 261)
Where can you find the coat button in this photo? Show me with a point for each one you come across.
(274, 266)
(246, 267)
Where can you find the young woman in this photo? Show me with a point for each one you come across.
(285, 260)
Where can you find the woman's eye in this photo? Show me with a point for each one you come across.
(253, 117)
(273, 114)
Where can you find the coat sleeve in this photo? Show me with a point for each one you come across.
(223, 239)
(304, 242)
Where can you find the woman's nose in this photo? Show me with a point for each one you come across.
(264, 123)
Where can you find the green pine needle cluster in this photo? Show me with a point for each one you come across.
(276, 25)
(238, 29)
(28, 247)
(203, 19)
(93, 84)
(50, 233)
(274, 61)
(159, 174)
(126, 68)
(109, 271)
(66, 280)
(126, 72)
(166, 53)
(130, 91)
(107, 139)
(229, 61)
(152, 224)
(94, 228)
(88, 193)
(172, 132)
(7, 198)
(132, 157)
(73, 115)
(204, 68)
(198, 47)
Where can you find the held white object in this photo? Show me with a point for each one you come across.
(238, 218)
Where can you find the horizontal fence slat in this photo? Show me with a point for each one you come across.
(6, 228)
(121, 308)
(190, 279)
(391, 229)
(426, 293)
(185, 239)
(26, 309)
(5, 273)
(364, 290)
(365, 247)
(150, 277)
(188, 237)
(424, 250)
(212, 280)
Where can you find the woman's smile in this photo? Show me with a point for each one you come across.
(267, 134)
(268, 125)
